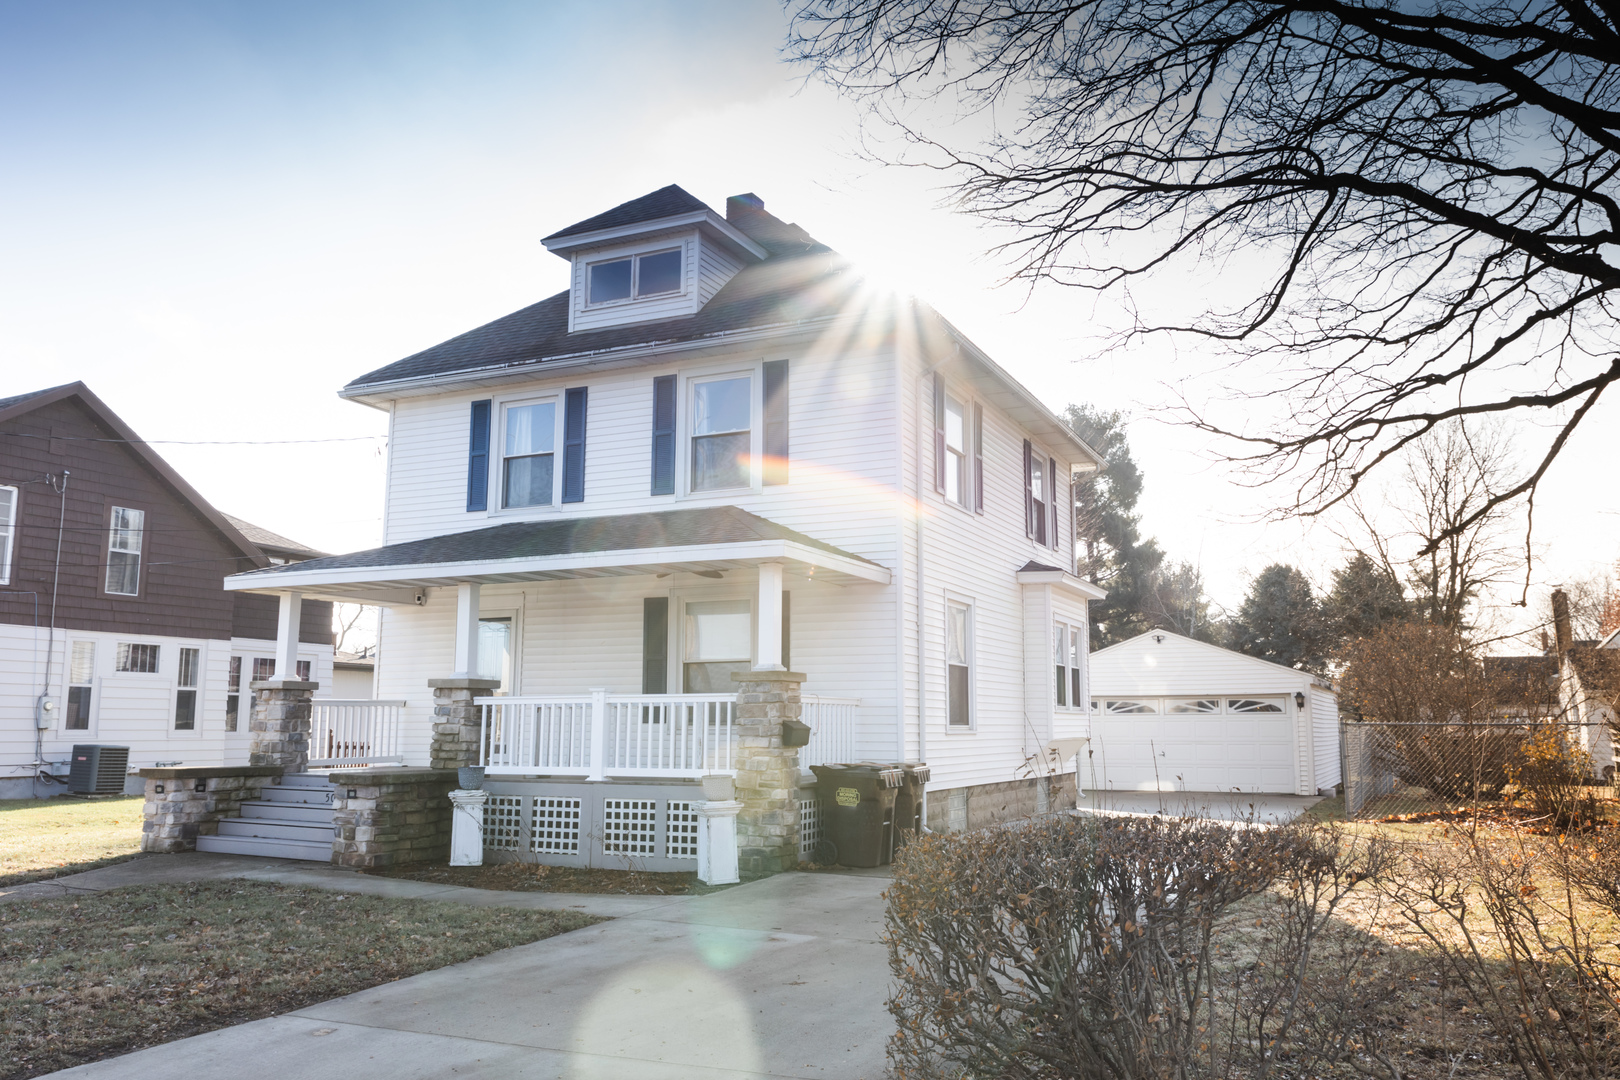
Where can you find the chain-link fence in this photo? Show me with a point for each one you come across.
(1401, 770)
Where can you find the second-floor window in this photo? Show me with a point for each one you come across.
(641, 275)
(722, 432)
(1037, 498)
(529, 454)
(124, 551)
(8, 530)
(957, 481)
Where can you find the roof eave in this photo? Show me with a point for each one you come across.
(1063, 580)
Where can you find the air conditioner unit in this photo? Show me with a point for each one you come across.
(98, 770)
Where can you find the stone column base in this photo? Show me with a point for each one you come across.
(457, 720)
(767, 771)
(386, 817)
(280, 723)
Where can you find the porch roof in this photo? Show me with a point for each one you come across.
(697, 539)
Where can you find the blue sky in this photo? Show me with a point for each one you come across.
(218, 213)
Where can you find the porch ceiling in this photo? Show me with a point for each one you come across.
(696, 540)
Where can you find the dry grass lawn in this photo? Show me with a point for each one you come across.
(46, 838)
(88, 978)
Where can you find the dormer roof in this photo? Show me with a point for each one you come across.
(667, 208)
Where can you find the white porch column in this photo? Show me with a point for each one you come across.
(467, 827)
(287, 621)
(717, 842)
(466, 666)
(769, 607)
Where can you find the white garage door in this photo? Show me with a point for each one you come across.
(1173, 748)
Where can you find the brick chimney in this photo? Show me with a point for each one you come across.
(1561, 631)
(739, 205)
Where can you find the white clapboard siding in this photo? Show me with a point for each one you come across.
(663, 306)
(127, 709)
(716, 266)
(1325, 724)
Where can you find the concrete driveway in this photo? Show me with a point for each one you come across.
(784, 977)
(1216, 805)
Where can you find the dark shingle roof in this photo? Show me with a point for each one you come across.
(572, 536)
(665, 202)
(275, 543)
(1599, 670)
(1036, 567)
(7, 402)
(781, 289)
(1523, 680)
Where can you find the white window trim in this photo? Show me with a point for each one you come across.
(635, 254)
(968, 479)
(103, 657)
(140, 566)
(515, 614)
(494, 498)
(678, 599)
(959, 600)
(199, 712)
(8, 538)
(1069, 627)
(756, 428)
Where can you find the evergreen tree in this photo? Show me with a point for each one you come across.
(1365, 597)
(1281, 621)
(1112, 553)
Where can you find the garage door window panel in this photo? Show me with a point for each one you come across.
(1194, 705)
(1130, 707)
(1255, 705)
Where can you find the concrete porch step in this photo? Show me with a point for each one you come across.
(307, 850)
(315, 813)
(315, 832)
(304, 780)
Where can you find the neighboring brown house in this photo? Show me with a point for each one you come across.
(114, 626)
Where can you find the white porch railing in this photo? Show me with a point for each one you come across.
(832, 730)
(600, 735)
(358, 731)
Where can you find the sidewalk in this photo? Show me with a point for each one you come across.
(784, 977)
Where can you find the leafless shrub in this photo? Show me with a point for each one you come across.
(1517, 947)
(1550, 772)
(1084, 947)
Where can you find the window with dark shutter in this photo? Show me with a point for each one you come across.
(978, 459)
(655, 645)
(574, 445)
(776, 422)
(1052, 500)
(478, 457)
(939, 433)
(1029, 488)
(663, 440)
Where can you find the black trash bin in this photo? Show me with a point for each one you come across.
(857, 813)
(908, 803)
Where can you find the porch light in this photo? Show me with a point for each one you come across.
(160, 789)
(1299, 699)
(202, 785)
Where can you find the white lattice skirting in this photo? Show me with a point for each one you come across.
(646, 830)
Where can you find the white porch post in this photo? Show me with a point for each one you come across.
(769, 646)
(466, 666)
(287, 620)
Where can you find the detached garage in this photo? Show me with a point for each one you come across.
(1172, 714)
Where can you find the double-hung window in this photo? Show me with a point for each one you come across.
(959, 664)
(529, 454)
(958, 487)
(124, 551)
(722, 432)
(655, 274)
(8, 531)
(185, 697)
(1037, 498)
(719, 642)
(1068, 654)
(81, 679)
(233, 693)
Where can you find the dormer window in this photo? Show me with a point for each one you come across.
(640, 276)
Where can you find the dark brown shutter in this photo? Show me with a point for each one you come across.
(776, 422)
(939, 433)
(663, 440)
(978, 459)
(1029, 498)
(1052, 498)
(655, 645)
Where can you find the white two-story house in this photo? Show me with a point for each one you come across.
(720, 450)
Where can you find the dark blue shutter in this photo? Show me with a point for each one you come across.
(663, 440)
(978, 459)
(574, 445)
(939, 433)
(655, 645)
(776, 422)
(1052, 497)
(478, 458)
(1029, 496)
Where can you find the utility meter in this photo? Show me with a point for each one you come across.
(45, 714)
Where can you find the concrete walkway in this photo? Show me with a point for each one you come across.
(784, 977)
(1215, 805)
